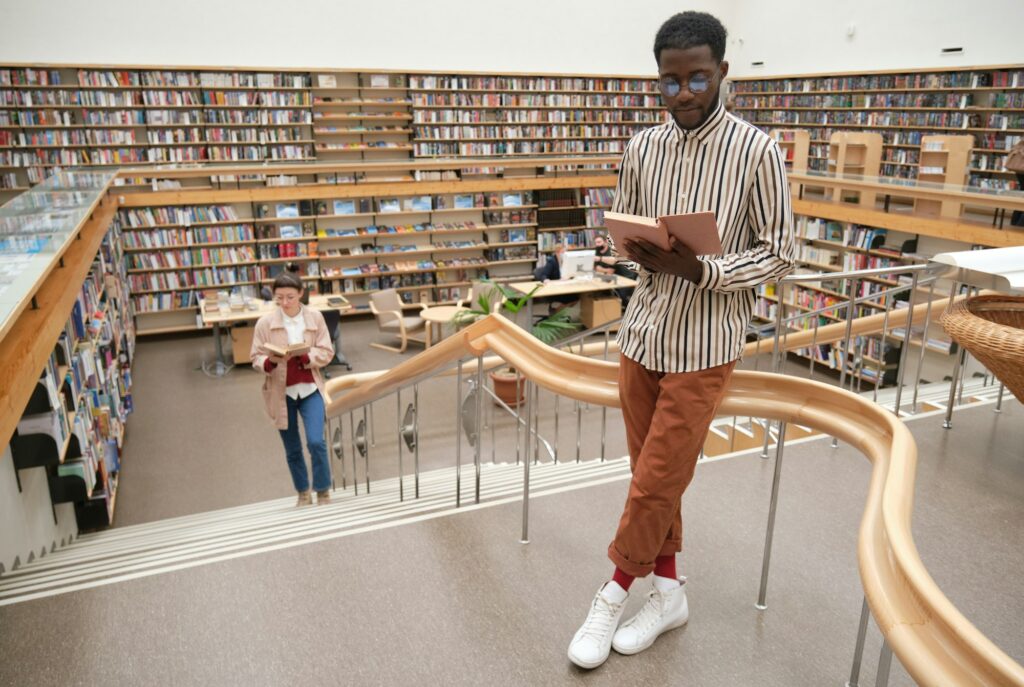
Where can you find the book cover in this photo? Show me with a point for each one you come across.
(287, 210)
(294, 350)
(464, 201)
(390, 205)
(698, 231)
(511, 199)
(420, 203)
(344, 207)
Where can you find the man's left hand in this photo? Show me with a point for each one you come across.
(679, 260)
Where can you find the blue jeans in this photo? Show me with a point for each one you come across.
(312, 410)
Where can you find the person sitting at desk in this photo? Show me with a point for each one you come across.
(606, 263)
(552, 269)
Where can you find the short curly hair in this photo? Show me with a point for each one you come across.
(690, 30)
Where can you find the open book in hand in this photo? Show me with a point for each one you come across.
(697, 231)
(294, 350)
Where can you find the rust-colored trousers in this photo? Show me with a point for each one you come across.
(667, 416)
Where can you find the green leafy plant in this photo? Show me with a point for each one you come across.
(500, 297)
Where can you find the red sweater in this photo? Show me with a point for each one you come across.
(297, 374)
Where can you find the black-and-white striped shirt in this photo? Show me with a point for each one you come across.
(728, 167)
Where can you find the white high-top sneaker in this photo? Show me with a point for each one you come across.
(663, 611)
(591, 644)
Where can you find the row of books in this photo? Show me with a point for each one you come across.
(964, 79)
(255, 99)
(858, 100)
(185, 214)
(525, 132)
(525, 117)
(173, 238)
(197, 257)
(272, 251)
(905, 155)
(372, 230)
(528, 83)
(526, 252)
(29, 77)
(519, 148)
(373, 268)
(160, 281)
(68, 138)
(584, 238)
(156, 302)
(533, 100)
(263, 136)
(947, 120)
(180, 79)
(242, 152)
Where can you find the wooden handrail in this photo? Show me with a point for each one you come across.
(933, 640)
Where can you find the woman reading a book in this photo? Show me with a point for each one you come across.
(290, 346)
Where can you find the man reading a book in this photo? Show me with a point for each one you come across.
(683, 330)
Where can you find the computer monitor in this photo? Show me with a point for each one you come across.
(577, 263)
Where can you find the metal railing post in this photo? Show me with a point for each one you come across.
(769, 534)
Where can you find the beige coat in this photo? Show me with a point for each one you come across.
(270, 329)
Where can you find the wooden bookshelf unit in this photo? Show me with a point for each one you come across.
(943, 160)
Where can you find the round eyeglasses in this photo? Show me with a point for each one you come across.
(698, 83)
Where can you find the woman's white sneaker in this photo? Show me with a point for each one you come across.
(592, 642)
(664, 611)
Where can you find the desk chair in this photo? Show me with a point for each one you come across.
(386, 306)
(479, 288)
(332, 318)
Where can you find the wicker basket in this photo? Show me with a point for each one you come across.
(991, 328)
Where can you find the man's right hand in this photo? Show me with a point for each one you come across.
(277, 359)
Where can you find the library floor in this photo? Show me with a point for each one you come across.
(458, 600)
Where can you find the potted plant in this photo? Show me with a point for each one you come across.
(506, 380)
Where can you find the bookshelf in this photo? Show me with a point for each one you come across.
(856, 154)
(475, 114)
(64, 115)
(72, 425)
(795, 145)
(985, 102)
(943, 160)
(825, 246)
(428, 239)
(361, 116)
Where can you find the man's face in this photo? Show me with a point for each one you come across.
(690, 109)
(599, 243)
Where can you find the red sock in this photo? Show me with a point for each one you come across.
(622, 579)
(665, 566)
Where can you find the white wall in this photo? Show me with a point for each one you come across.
(588, 36)
(800, 36)
(571, 36)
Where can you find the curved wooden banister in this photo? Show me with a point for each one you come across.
(871, 324)
(933, 640)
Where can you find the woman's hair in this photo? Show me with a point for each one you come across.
(289, 279)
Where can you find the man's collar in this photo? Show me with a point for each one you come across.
(702, 132)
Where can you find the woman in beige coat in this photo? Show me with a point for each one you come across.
(294, 385)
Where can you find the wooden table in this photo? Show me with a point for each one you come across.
(567, 287)
(438, 315)
(221, 317)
